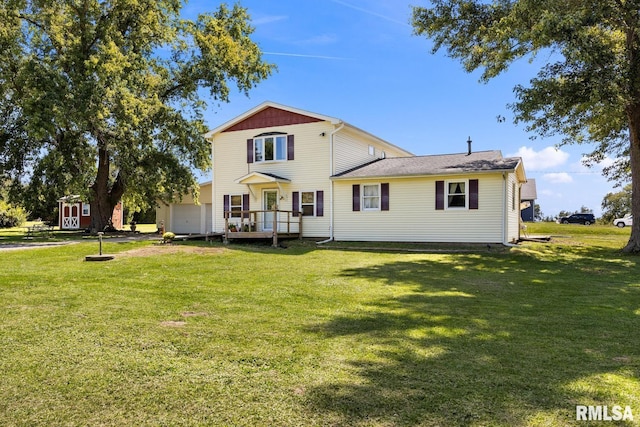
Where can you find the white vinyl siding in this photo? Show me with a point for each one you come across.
(513, 209)
(353, 149)
(413, 218)
(310, 170)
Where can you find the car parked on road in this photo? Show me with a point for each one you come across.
(625, 220)
(578, 218)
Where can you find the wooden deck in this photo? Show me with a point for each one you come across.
(262, 224)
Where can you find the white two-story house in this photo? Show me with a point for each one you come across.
(347, 184)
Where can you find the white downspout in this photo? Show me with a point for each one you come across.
(213, 190)
(331, 172)
(504, 208)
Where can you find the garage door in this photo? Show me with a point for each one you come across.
(186, 219)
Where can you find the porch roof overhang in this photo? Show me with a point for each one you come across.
(261, 178)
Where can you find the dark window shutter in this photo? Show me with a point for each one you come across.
(290, 147)
(295, 203)
(249, 150)
(356, 197)
(473, 194)
(319, 203)
(245, 205)
(226, 204)
(439, 195)
(384, 199)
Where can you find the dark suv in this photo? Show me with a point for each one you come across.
(579, 218)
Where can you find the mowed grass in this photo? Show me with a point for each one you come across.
(247, 335)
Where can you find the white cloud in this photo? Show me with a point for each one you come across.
(558, 177)
(550, 193)
(596, 167)
(546, 158)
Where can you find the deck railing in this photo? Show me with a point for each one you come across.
(262, 223)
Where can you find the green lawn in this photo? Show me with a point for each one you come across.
(247, 335)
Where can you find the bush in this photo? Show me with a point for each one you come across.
(11, 216)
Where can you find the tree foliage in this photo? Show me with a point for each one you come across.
(616, 205)
(589, 91)
(106, 98)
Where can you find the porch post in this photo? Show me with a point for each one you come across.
(275, 227)
(226, 228)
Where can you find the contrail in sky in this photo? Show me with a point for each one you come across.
(299, 55)
(379, 15)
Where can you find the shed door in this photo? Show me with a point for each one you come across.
(185, 219)
(70, 216)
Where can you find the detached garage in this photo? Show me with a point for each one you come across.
(186, 217)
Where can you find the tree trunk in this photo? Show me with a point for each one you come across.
(632, 111)
(633, 246)
(104, 197)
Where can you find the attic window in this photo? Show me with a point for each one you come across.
(372, 150)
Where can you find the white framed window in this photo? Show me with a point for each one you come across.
(372, 150)
(371, 197)
(86, 209)
(235, 206)
(270, 148)
(308, 203)
(456, 194)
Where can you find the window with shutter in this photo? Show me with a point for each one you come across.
(249, 150)
(384, 196)
(320, 203)
(355, 202)
(270, 147)
(295, 203)
(439, 195)
(473, 194)
(245, 205)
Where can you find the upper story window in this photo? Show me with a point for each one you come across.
(372, 150)
(270, 148)
(456, 194)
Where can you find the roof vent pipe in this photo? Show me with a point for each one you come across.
(469, 145)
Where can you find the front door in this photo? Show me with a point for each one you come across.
(269, 201)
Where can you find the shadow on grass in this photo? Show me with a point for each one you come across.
(517, 339)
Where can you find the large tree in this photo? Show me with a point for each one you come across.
(108, 96)
(590, 89)
(616, 205)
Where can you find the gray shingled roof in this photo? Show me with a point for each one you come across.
(445, 164)
(529, 191)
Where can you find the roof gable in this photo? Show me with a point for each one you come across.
(269, 114)
(271, 117)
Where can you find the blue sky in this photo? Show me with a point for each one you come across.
(358, 60)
